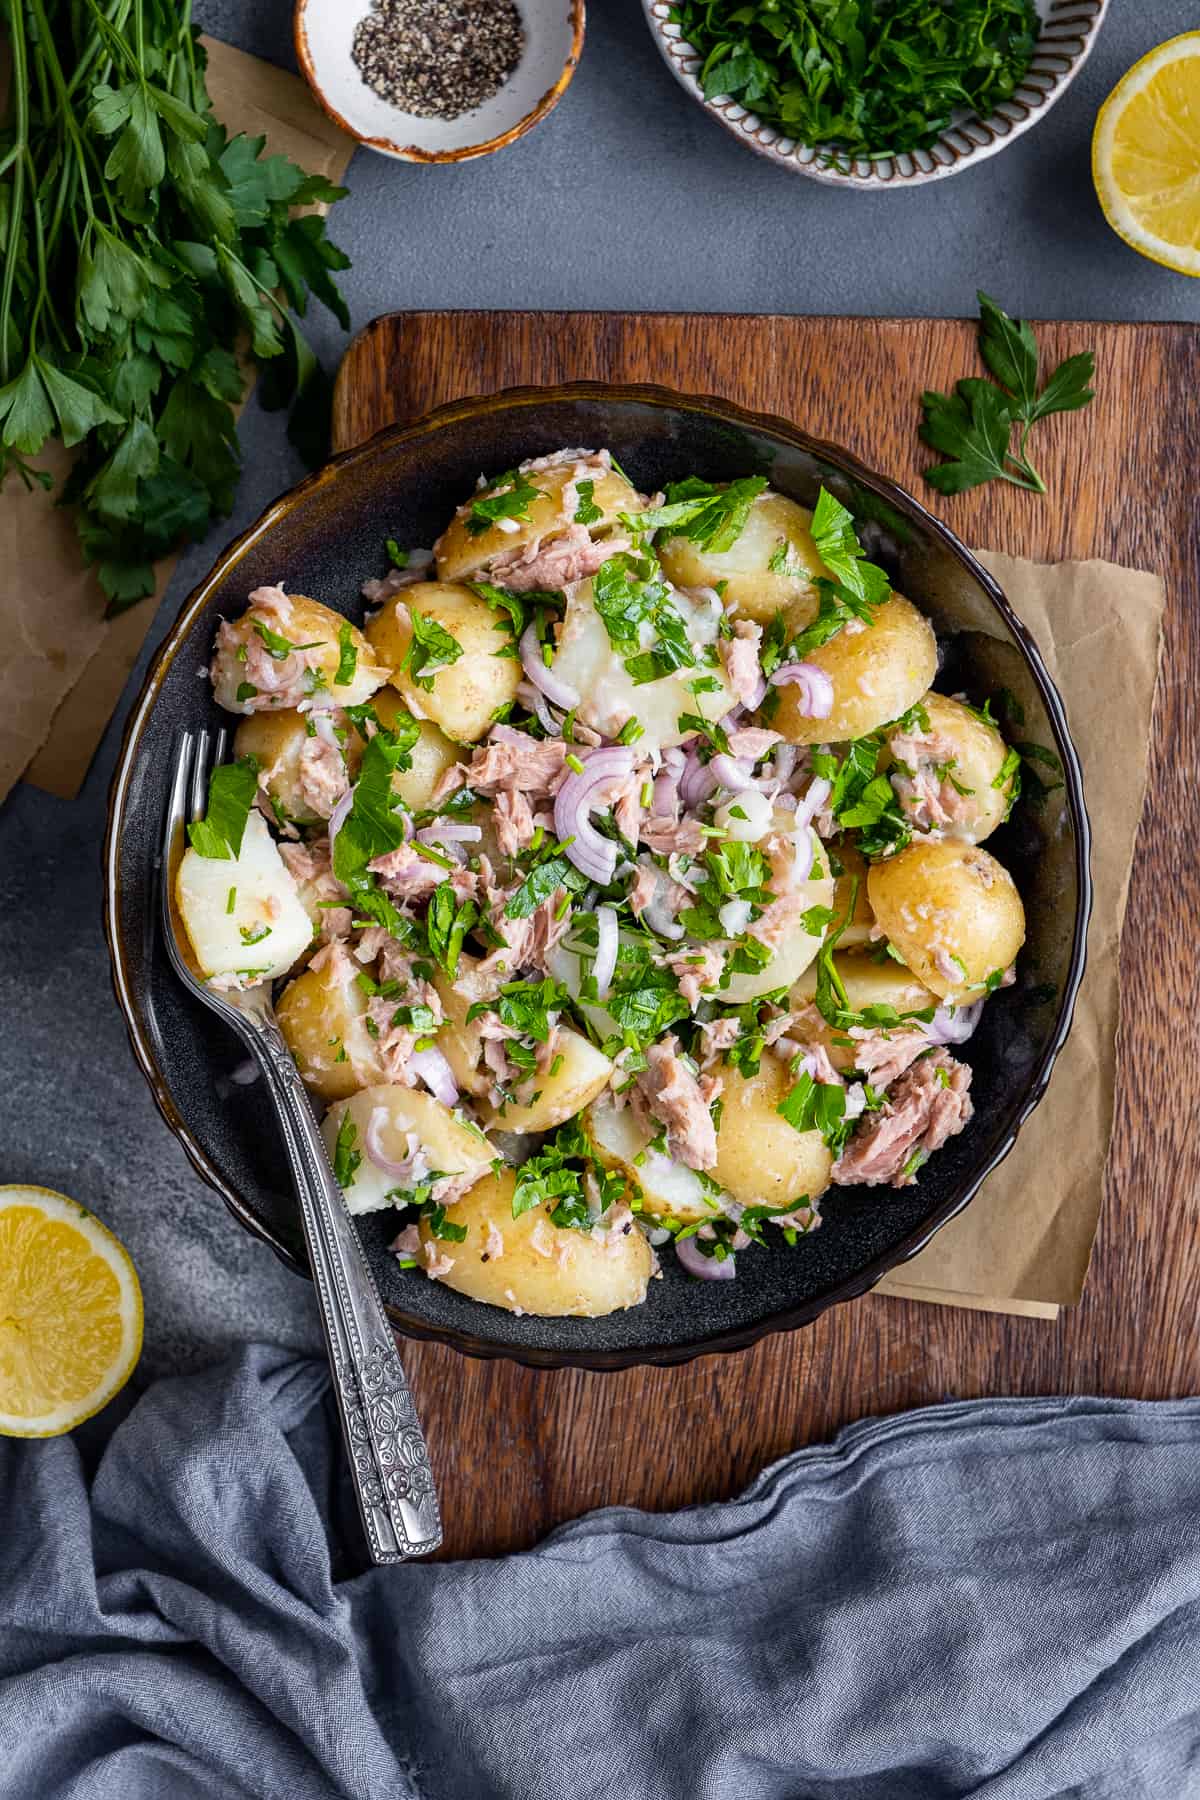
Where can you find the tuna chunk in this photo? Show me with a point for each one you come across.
(928, 1104)
(929, 800)
(518, 763)
(554, 563)
(323, 776)
(668, 838)
(740, 656)
(883, 1056)
(513, 819)
(697, 970)
(753, 742)
(406, 874)
(677, 1100)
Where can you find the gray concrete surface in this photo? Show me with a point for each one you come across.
(626, 197)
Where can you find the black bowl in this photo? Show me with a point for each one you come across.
(325, 538)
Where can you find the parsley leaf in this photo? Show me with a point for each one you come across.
(447, 923)
(818, 1106)
(231, 791)
(346, 1158)
(430, 648)
(712, 518)
(630, 593)
(973, 427)
(587, 512)
(840, 551)
(507, 497)
(542, 881)
(347, 655)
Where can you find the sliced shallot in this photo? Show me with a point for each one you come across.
(544, 679)
(816, 689)
(704, 1268)
(593, 855)
(608, 939)
(436, 1073)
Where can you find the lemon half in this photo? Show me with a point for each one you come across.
(1146, 155)
(70, 1313)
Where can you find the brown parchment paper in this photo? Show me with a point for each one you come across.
(52, 610)
(1023, 1244)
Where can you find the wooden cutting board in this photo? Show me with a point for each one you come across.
(516, 1451)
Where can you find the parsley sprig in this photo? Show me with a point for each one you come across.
(142, 244)
(974, 427)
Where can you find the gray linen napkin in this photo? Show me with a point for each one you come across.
(998, 1599)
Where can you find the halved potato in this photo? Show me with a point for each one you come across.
(244, 660)
(588, 660)
(769, 569)
(798, 948)
(322, 1015)
(286, 750)
(461, 552)
(582, 1074)
(450, 1147)
(529, 1265)
(431, 755)
(868, 982)
(243, 915)
(952, 911)
(669, 1189)
(877, 671)
(466, 694)
(761, 1159)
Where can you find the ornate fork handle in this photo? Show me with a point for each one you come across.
(393, 1480)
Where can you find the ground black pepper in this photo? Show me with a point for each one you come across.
(438, 58)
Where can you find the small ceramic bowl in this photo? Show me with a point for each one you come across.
(1069, 29)
(324, 31)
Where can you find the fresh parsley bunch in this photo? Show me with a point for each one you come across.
(143, 251)
(857, 77)
(974, 426)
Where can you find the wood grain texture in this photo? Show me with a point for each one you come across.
(517, 1452)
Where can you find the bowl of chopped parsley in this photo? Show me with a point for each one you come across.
(864, 95)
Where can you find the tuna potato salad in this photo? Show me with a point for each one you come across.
(622, 875)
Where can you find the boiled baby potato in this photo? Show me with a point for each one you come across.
(868, 982)
(877, 672)
(609, 696)
(242, 914)
(952, 911)
(761, 1159)
(252, 654)
(798, 947)
(431, 755)
(461, 552)
(322, 1015)
(284, 746)
(975, 753)
(467, 693)
(583, 1072)
(777, 532)
(450, 1147)
(528, 1265)
(854, 868)
(669, 1189)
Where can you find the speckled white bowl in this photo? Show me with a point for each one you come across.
(324, 31)
(1069, 30)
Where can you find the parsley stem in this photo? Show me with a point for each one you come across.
(20, 89)
(1035, 482)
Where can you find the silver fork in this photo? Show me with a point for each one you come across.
(389, 1461)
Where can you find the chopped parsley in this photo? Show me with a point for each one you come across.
(587, 512)
(347, 655)
(246, 690)
(541, 882)
(555, 1178)
(372, 827)
(398, 558)
(430, 649)
(447, 923)
(507, 497)
(630, 593)
(231, 791)
(712, 518)
(346, 1158)
(818, 1106)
